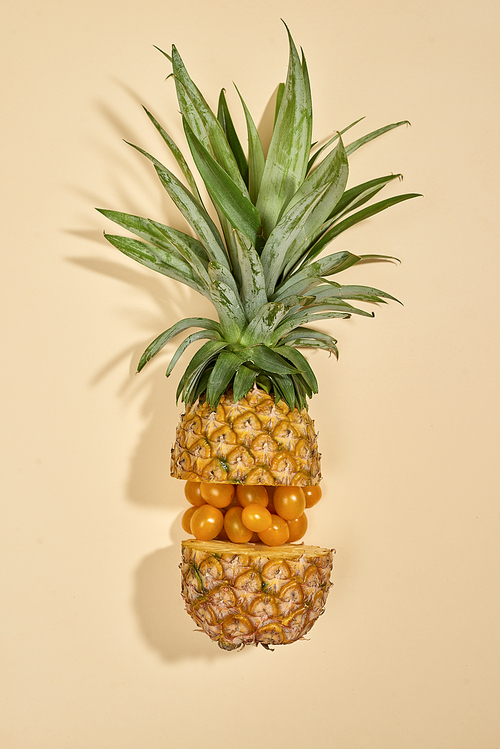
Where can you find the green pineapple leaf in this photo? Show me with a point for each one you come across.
(360, 194)
(303, 317)
(304, 217)
(298, 281)
(320, 150)
(312, 343)
(289, 236)
(243, 381)
(310, 338)
(199, 335)
(227, 303)
(354, 292)
(167, 263)
(346, 223)
(179, 327)
(222, 374)
(217, 272)
(192, 210)
(302, 391)
(263, 324)
(202, 120)
(194, 370)
(287, 158)
(333, 168)
(253, 282)
(280, 90)
(188, 247)
(165, 239)
(196, 216)
(153, 232)
(181, 161)
(256, 158)
(337, 304)
(225, 119)
(300, 362)
(235, 205)
(371, 136)
(169, 57)
(268, 360)
(283, 388)
(313, 225)
(296, 287)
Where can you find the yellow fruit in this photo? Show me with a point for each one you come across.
(312, 494)
(256, 517)
(252, 441)
(277, 533)
(297, 528)
(236, 530)
(186, 519)
(248, 494)
(217, 495)
(289, 502)
(193, 494)
(249, 594)
(206, 522)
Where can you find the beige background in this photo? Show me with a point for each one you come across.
(96, 649)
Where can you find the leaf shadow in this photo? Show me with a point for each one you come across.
(266, 124)
(163, 623)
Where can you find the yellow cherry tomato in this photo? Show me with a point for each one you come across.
(289, 501)
(206, 523)
(251, 493)
(256, 517)
(313, 494)
(234, 527)
(297, 528)
(217, 495)
(186, 519)
(193, 494)
(277, 534)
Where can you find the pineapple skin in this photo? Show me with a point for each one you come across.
(251, 594)
(252, 441)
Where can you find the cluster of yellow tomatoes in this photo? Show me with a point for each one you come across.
(273, 515)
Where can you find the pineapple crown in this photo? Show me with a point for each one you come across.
(262, 267)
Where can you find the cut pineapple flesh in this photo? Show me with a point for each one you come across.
(251, 594)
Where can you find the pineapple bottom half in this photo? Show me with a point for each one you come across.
(251, 594)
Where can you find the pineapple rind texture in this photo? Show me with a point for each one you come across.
(252, 441)
(251, 594)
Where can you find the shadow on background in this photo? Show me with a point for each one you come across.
(163, 622)
(158, 606)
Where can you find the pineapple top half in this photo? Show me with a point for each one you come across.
(263, 266)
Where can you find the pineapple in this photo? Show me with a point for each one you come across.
(261, 263)
(251, 441)
(249, 595)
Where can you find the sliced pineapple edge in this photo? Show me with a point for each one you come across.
(286, 551)
(248, 594)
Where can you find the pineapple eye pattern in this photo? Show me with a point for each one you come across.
(261, 596)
